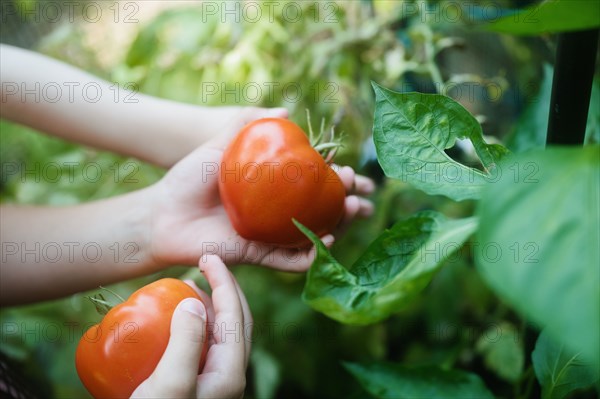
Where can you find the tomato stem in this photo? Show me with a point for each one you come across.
(326, 147)
(101, 304)
(119, 297)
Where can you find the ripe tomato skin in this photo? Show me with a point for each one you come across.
(117, 355)
(270, 174)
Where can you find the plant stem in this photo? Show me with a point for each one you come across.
(572, 87)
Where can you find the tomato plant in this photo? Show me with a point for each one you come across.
(270, 174)
(476, 277)
(118, 354)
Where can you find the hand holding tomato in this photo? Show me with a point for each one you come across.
(116, 355)
(229, 331)
(270, 174)
(190, 219)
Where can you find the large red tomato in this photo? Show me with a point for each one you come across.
(270, 174)
(117, 355)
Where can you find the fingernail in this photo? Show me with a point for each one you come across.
(193, 306)
(328, 240)
(368, 187)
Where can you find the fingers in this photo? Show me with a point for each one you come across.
(357, 207)
(293, 260)
(247, 317)
(275, 113)
(177, 371)
(355, 184)
(225, 369)
(354, 207)
(363, 185)
(250, 114)
(207, 301)
(351, 209)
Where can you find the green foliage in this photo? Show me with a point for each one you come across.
(43, 337)
(530, 130)
(521, 250)
(321, 62)
(395, 268)
(558, 370)
(394, 381)
(411, 132)
(539, 238)
(550, 17)
(267, 374)
(37, 169)
(423, 321)
(502, 351)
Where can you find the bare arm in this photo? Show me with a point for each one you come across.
(48, 252)
(53, 97)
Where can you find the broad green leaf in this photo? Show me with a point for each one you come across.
(395, 268)
(558, 370)
(411, 132)
(502, 351)
(537, 245)
(394, 381)
(531, 129)
(550, 16)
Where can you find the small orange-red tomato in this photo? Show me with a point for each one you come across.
(270, 174)
(117, 355)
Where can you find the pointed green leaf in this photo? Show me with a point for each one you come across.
(394, 381)
(411, 133)
(395, 268)
(558, 370)
(550, 16)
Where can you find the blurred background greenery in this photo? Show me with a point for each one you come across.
(322, 59)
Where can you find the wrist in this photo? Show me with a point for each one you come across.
(146, 202)
(163, 225)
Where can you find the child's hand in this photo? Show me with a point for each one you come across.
(229, 331)
(196, 125)
(189, 219)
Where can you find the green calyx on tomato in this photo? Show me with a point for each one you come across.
(117, 355)
(270, 174)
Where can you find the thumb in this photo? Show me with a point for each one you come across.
(177, 371)
(276, 113)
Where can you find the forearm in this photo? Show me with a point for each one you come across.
(49, 252)
(59, 99)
